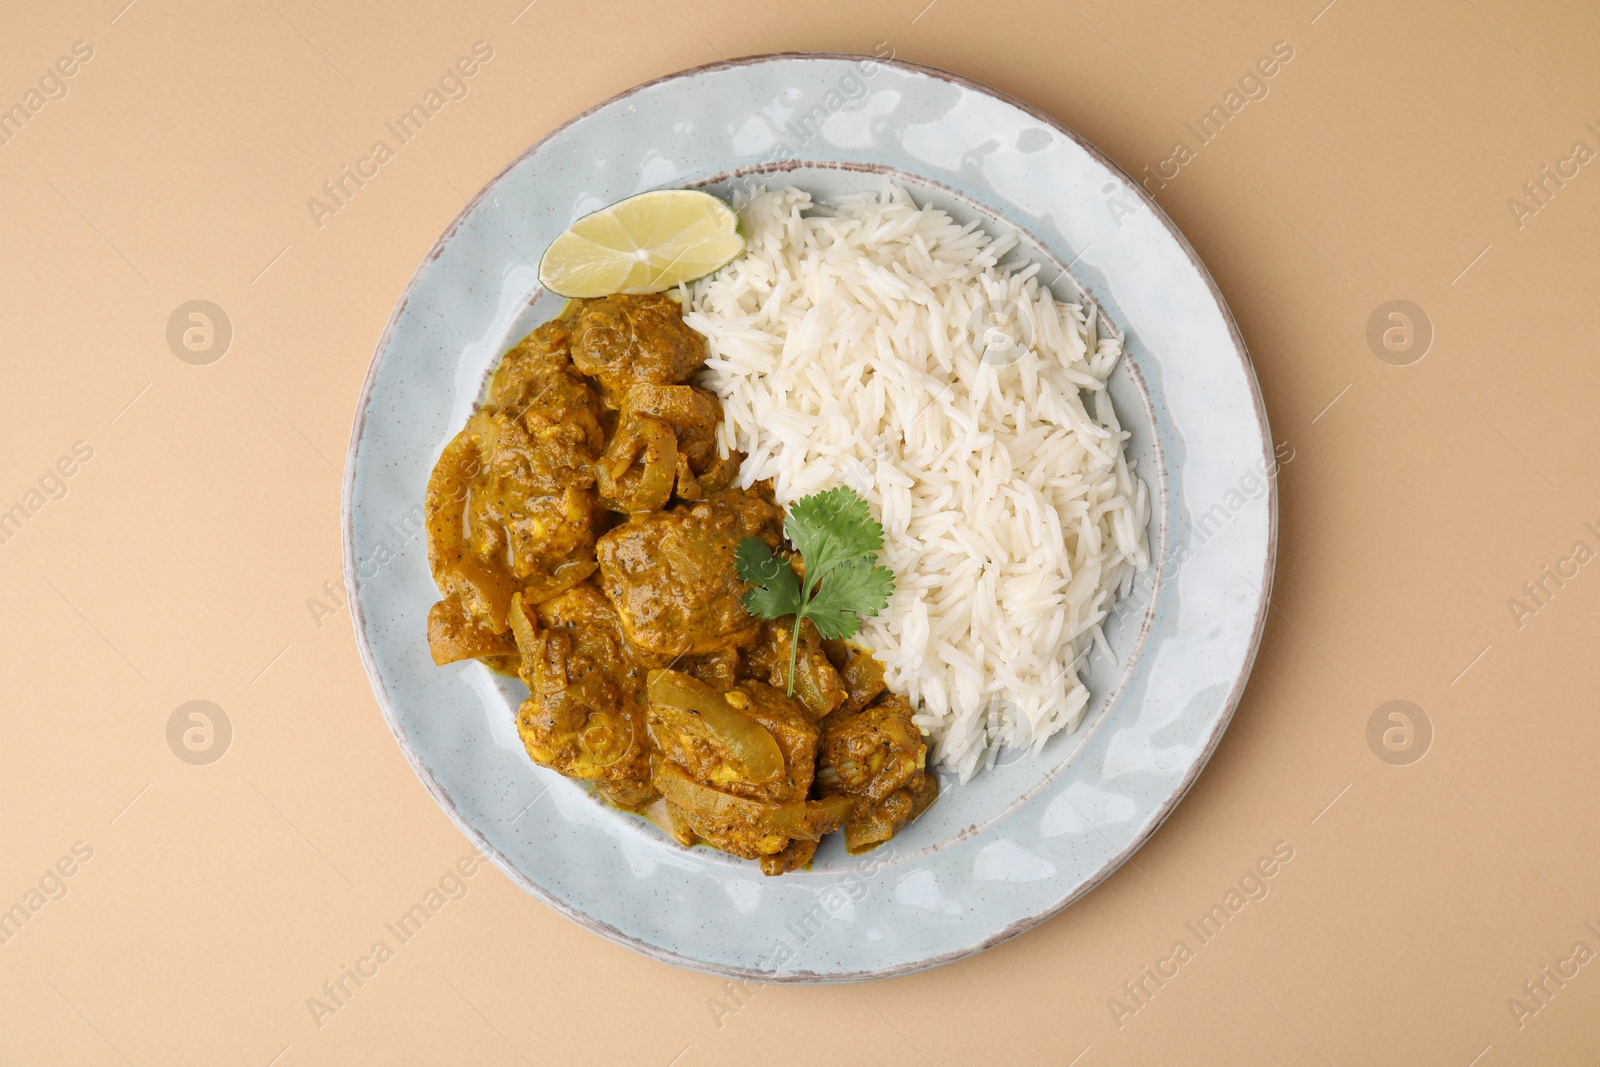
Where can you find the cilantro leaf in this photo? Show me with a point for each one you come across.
(777, 587)
(830, 528)
(839, 542)
(849, 592)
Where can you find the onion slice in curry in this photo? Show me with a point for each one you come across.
(746, 741)
(806, 820)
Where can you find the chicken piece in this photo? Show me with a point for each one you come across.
(759, 744)
(525, 370)
(872, 752)
(736, 767)
(665, 441)
(586, 613)
(536, 505)
(584, 715)
(454, 635)
(876, 754)
(817, 684)
(511, 504)
(671, 573)
(623, 340)
(795, 731)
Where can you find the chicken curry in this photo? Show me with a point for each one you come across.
(582, 530)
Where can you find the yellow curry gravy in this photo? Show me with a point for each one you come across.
(581, 530)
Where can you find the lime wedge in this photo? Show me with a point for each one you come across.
(644, 244)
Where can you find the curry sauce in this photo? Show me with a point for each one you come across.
(582, 529)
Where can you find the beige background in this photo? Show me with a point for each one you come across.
(181, 562)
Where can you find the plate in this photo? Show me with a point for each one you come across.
(1020, 841)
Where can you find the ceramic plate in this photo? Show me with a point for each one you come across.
(1017, 843)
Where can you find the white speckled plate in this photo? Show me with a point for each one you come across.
(1018, 843)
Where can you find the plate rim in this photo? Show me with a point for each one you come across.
(799, 977)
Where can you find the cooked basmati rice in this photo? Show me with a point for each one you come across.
(880, 345)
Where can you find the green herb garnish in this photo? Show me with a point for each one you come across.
(839, 542)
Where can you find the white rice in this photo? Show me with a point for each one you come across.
(856, 345)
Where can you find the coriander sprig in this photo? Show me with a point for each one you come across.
(839, 541)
